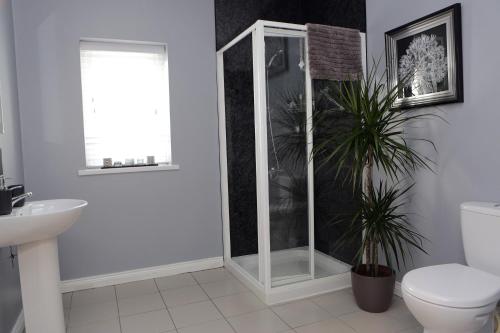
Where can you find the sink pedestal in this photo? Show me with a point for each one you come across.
(40, 279)
(34, 229)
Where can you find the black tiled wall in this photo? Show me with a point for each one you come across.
(332, 197)
(234, 16)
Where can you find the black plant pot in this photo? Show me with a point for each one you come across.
(373, 294)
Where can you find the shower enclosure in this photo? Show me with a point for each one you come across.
(267, 177)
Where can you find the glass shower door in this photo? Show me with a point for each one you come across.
(240, 155)
(287, 159)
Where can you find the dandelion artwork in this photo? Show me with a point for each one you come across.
(425, 58)
(423, 62)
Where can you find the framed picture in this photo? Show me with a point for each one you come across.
(425, 57)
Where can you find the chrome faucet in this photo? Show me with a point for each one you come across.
(21, 197)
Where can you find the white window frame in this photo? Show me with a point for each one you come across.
(90, 170)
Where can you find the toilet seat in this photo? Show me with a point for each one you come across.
(453, 285)
(445, 319)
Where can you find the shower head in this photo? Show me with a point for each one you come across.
(269, 64)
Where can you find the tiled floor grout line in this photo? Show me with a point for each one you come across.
(166, 307)
(277, 315)
(346, 323)
(393, 317)
(335, 316)
(267, 306)
(212, 301)
(118, 308)
(331, 316)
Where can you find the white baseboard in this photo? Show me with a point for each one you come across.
(397, 289)
(140, 274)
(19, 325)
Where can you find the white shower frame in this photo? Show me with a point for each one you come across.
(262, 287)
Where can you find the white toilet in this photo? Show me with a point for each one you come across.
(454, 298)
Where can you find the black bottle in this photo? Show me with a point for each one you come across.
(5, 198)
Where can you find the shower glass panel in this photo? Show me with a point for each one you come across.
(287, 159)
(335, 203)
(240, 147)
(280, 210)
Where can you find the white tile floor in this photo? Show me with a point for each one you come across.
(214, 301)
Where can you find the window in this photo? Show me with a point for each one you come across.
(125, 102)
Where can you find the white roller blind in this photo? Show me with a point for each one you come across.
(125, 101)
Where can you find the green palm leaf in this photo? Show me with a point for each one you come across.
(376, 136)
(378, 131)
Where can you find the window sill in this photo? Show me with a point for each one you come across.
(95, 172)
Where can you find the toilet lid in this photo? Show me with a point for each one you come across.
(453, 285)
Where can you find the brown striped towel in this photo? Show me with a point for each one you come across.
(334, 52)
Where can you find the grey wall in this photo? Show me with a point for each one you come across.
(133, 220)
(468, 159)
(10, 143)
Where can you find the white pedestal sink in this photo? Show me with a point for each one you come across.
(34, 228)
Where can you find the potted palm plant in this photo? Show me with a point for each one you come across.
(376, 139)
